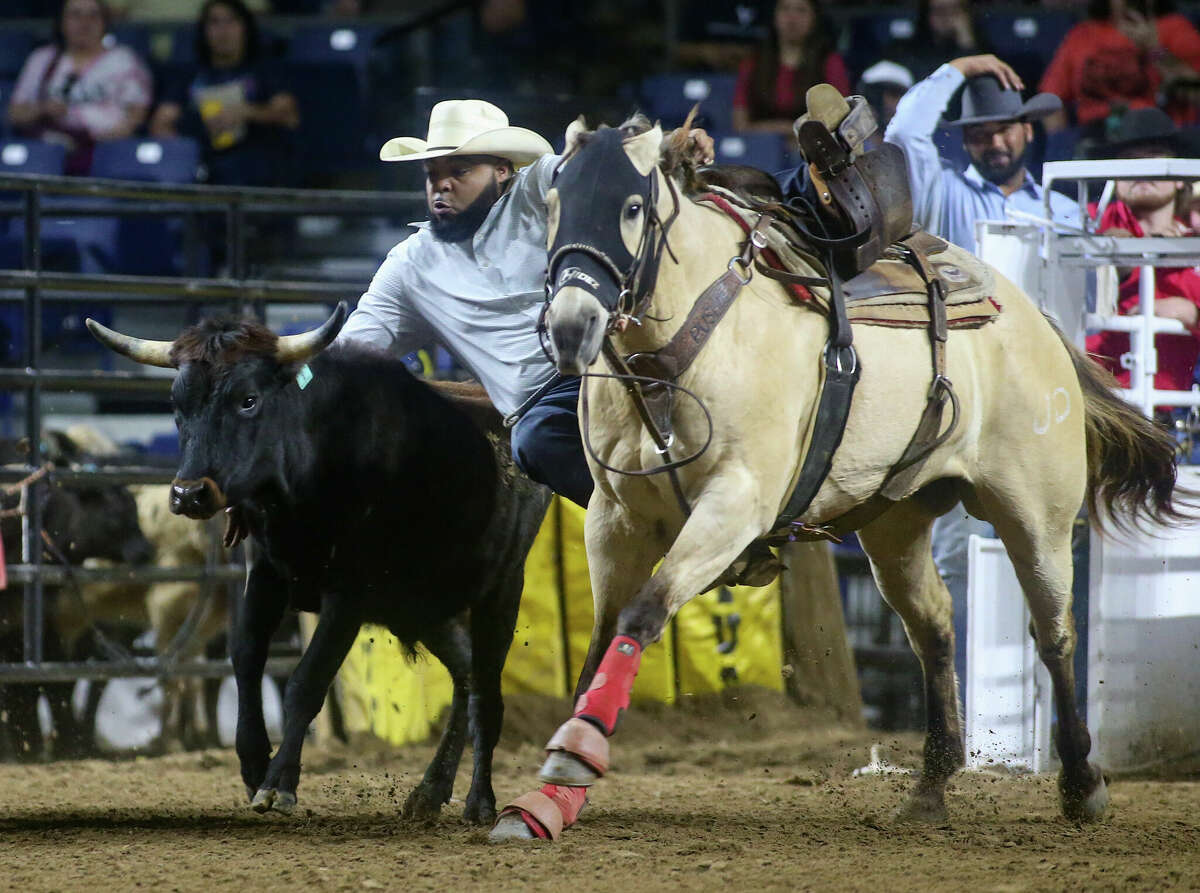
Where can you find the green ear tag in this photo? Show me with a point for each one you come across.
(304, 376)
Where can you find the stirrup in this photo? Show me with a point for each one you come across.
(863, 197)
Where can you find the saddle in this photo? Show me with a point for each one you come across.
(890, 292)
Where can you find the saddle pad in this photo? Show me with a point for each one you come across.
(890, 292)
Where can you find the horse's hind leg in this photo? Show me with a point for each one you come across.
(1040, 550)
(898, 546)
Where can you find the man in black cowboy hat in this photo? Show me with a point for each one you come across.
(947, 201)
(997, 131)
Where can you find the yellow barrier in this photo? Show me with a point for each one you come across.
(724, 637)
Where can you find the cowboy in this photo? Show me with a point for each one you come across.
(947, 201)
(472, 278)
(996, 132)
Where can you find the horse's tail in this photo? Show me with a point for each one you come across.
(1130, 459)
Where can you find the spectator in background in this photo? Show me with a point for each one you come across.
(235, 104)
(76, 91)
(772, 82)
(945, 30)
(1152, 208)
(883, 85)
(1124, 56)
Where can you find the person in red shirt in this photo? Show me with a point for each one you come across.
(1152, 208)
(772, 82)
(1123, 56)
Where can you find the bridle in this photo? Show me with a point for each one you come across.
(636, 284)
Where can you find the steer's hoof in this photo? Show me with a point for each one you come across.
(511, 826)
(926, 808)
(566, 768)
(268, 799)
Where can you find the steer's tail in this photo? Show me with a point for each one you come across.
(1130, 459)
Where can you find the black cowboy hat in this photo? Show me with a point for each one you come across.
(1145, 127)
(984, 101)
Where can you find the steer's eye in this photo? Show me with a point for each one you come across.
(249, 402)
(632, 211)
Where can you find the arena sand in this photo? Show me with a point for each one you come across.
(749, 794)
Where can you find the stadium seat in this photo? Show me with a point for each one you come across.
(765, 151)
(724, 20)
(31, 157)
(60, 251)
(1026, 40)
(132, 35)
(333, 117)
(143, 245)
(669, 98)
(333, 43)
(869, 34)
(15, 46)
(158, 161)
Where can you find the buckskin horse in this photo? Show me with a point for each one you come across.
(964, 392)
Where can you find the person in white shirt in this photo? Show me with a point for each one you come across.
(473, 278)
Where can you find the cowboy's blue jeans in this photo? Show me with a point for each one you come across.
(547, 446)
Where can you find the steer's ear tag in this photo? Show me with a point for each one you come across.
(304, 376)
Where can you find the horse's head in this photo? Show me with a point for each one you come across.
(605, 237)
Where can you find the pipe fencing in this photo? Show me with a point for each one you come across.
(34, 286)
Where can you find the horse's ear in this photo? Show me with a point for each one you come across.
(643, 149)
(575, 130)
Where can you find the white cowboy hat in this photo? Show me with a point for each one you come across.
(468, 127)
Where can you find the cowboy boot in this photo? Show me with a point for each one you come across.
(863, 197)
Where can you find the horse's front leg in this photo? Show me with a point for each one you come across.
(621, 554)
(723, 522)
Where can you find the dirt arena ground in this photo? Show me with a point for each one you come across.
(754, 795)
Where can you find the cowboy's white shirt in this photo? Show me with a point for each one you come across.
(479, 298)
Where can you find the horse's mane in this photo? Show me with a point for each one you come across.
(755, 187)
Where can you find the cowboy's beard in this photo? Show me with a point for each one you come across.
(464, 224)
(999, 171)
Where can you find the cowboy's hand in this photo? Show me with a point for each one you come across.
(974, 66)
(700, 146)
(235, 527)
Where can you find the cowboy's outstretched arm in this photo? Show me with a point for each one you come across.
(912, 129)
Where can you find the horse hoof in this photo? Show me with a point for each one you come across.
(268, 799)
(510, 826)
(923, 809)
(565, 768)
(421, 805)
(1082, 809)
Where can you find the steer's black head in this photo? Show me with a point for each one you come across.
(235, 399)
(600, 232)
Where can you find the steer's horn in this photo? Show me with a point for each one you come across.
(150, 353)
(299, 348)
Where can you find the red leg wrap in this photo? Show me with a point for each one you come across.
(569, 801)
(608, 695)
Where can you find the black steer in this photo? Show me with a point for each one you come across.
(369, 497)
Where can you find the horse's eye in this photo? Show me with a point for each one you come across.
(632, 211)
(249, 402)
